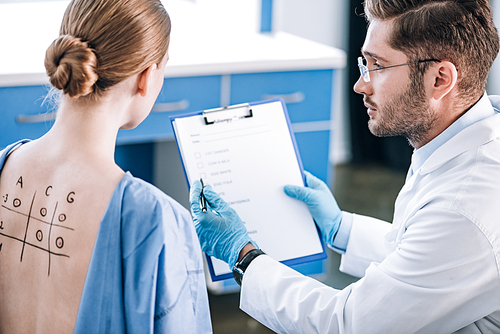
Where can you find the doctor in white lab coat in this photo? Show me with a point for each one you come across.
(436, 268)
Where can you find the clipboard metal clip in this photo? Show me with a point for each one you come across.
(227, 114)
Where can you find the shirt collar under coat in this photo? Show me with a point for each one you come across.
(465, 134)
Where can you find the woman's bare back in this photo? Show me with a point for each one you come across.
(51, 207)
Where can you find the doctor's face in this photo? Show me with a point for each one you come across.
(396, 104)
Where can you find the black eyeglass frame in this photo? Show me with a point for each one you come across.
(365, 72)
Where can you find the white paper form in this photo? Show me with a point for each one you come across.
(247, 162)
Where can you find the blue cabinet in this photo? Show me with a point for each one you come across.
(306, 93)
(23, 113)
(313, 148)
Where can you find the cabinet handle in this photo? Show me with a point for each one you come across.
(296, 97)
(38, 118)
(158, 107)
(171, 106)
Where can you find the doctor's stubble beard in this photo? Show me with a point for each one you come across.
(408, 114)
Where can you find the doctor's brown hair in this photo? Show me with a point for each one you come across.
(459, 31)
(103, 42)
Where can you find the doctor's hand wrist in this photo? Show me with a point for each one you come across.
(248, 247)
(331, 229)
(243, 263)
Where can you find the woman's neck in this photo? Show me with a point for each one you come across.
(86, 129)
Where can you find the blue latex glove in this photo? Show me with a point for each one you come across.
(321, 203)
(222, 234)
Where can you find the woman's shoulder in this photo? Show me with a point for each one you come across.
(142, 201)
(139, 192)
(4, 153)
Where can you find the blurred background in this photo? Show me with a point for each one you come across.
(225, 52)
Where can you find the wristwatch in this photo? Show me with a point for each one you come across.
(241, 266)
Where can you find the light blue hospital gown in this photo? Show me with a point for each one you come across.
(146, 271)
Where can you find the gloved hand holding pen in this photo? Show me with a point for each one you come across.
(321, 203)
(221, 232)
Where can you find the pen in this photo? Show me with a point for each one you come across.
(203, 200)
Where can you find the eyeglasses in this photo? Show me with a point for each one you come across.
(365, 72)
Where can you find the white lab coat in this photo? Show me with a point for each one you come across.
(434, 270)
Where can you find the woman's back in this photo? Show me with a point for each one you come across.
(51, 207)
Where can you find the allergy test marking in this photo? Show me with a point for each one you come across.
(35, 221)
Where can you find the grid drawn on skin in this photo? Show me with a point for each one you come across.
(34, 228)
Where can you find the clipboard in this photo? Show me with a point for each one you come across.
(248, 153)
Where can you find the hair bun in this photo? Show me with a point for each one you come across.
(71, 66)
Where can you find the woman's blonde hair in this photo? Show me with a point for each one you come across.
(103, 42)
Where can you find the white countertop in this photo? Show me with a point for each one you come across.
(204, 41)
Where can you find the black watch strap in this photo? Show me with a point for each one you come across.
(241, 266)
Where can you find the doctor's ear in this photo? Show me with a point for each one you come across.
(444, 76)
(145, 78)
